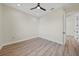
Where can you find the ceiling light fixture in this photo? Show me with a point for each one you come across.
(38, 7)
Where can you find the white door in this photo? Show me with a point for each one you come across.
(72, 25)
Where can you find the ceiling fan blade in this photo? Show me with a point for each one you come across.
(43, 9)
(33, 8)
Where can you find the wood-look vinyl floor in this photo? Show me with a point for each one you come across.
(33, 47)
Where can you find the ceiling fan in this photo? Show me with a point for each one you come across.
(38, 7)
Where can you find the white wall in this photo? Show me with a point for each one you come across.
(0, 25)
(51, 26)
(17, 25)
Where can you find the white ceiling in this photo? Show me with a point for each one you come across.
(36, 12)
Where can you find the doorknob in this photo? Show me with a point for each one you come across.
(64, 32)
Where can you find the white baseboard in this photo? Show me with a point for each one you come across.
(8, 43)
(50, 39)
(17, 41)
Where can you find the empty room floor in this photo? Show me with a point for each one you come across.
(33, 47)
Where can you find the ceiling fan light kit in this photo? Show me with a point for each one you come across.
(38, 7)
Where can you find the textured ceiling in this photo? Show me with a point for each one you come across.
(36, 12)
